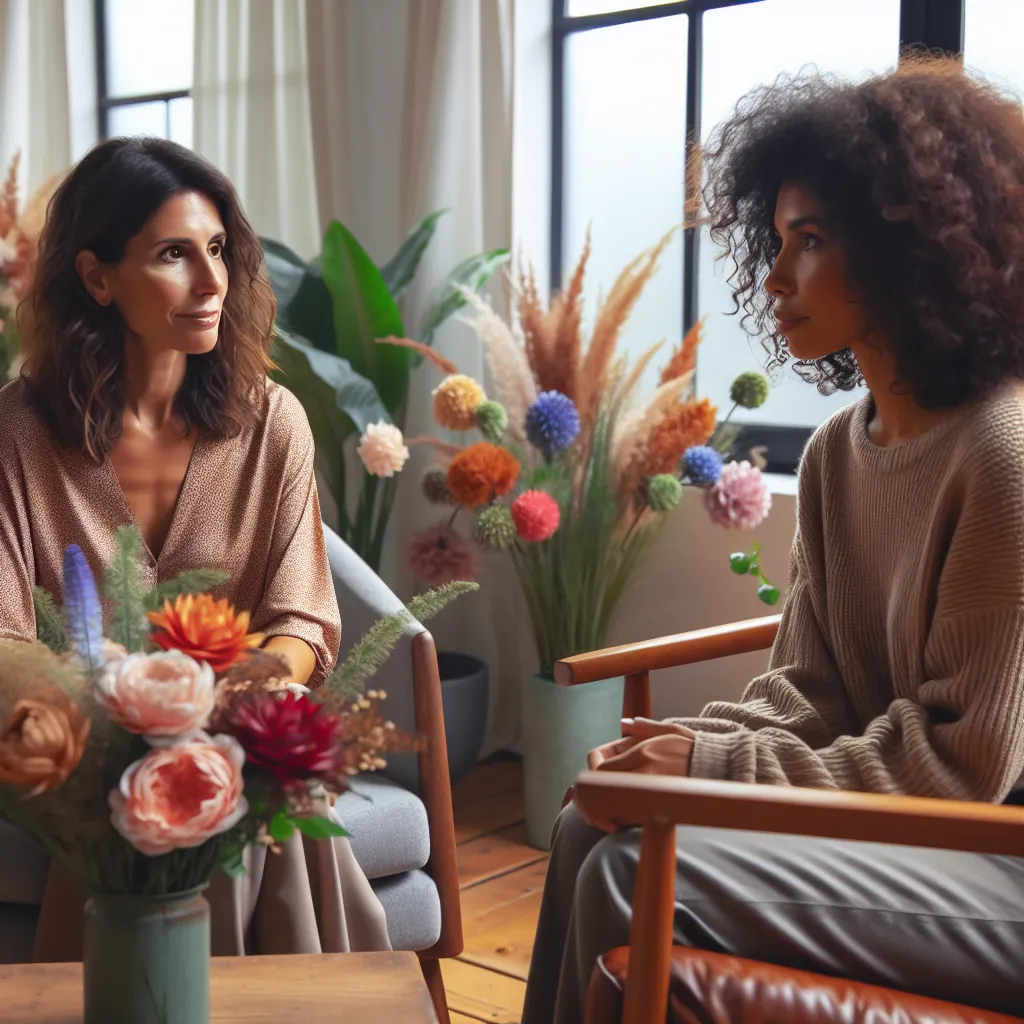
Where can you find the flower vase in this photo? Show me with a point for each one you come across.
(561, 725)
(147, 959)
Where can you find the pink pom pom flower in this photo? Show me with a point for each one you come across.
(741, 499)
(439, 554)
(536, 515)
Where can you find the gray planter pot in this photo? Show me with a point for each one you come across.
(464, 683)
(561, 725)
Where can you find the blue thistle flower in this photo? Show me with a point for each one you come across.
(702, 465)
(552, 423)
(82, 609)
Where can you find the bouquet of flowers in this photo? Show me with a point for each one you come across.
(19, 237)
(575, 470)
(146, 739)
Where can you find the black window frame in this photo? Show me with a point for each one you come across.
(934, 25)
(104, 101)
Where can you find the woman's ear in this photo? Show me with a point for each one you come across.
(94, 277)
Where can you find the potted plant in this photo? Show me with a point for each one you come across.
(147, 748)
(573, 478)
(330, 314)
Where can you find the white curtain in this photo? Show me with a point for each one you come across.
(47, 86)
(251, 112)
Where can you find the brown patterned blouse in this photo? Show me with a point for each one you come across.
(248, 506)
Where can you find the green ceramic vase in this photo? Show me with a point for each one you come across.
(147, 959)
(561, 725)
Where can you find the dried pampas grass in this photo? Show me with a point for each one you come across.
(514, 384)
(633, 429)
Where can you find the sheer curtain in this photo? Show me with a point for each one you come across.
(251, 112)
(47, 86)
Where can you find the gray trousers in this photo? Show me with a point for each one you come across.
(942, 924)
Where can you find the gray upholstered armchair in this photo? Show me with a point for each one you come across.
(400, 820)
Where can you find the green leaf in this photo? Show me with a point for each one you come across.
(399, 271)
(281, 826)
(363, 312)
(768, 594)
(739, 562)
(304, 304)
(231, 862)
(192, 581)
(122, 585)
(473, 273)
(318, 828)
(49, 621)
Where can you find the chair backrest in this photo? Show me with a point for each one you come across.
(363, 598)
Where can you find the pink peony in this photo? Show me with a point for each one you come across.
(177, 797)
(160, 696)
(382, 449)
(536, 515)
(439, 554)
(741, 499)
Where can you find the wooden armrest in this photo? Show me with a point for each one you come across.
(827, 813)
(668, 651)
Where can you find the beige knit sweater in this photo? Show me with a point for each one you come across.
(899, 664)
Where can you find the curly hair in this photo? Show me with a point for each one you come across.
(921, 175)
(74, 347)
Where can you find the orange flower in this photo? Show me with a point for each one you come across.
(684, 359)
(688, 424)
(481, 472)
(41, 745)
(204, 629)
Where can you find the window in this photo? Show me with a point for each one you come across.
(993, 30)
(633, 80)
(144, 68)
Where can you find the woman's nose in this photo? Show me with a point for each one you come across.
(207, 275)
(779, 282)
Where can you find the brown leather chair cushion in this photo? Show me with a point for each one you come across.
(708, 988)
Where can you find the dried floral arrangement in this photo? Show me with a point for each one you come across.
(147, 738)
(576, 470)
(20, 228)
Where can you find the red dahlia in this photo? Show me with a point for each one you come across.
(292, 736)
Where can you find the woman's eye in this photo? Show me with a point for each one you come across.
(217, 250)
(172, 253)
(810, 241)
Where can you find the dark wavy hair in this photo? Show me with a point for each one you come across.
(921, 174)
(74, 347)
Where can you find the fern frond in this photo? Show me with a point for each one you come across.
(192, 581)
(425, 606)
(372, 650)
(49, 621)
(122, 585)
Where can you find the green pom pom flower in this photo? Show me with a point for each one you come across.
(749, 390)
(494, 528)
(492, 420)
(664, 492)
(435, 487)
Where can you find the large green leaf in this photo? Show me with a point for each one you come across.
(401, 268)
(363, 312)
(303, 302)
(473, 273)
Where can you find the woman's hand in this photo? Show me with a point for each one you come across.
(647, 747)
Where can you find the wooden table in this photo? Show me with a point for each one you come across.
(331, 988)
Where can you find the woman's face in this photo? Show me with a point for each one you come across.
(171, 282)
(815, 308)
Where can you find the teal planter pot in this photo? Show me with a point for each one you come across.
(147, 959)
(561, 725)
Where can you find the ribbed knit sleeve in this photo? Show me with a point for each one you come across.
(960, 733)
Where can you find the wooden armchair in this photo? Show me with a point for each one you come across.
(716, 989)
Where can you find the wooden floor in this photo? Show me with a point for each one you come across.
(501, 880)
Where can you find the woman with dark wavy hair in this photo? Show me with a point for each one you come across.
(877, 231)
(144, 400)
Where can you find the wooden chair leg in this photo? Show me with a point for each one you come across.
(435, 983)
(650, 939)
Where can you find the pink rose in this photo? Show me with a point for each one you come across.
(179, 796)
(161, 696)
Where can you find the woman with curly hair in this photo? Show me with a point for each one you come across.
(144, 400)
(877, 231)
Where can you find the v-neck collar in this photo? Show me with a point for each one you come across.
(181, 504)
